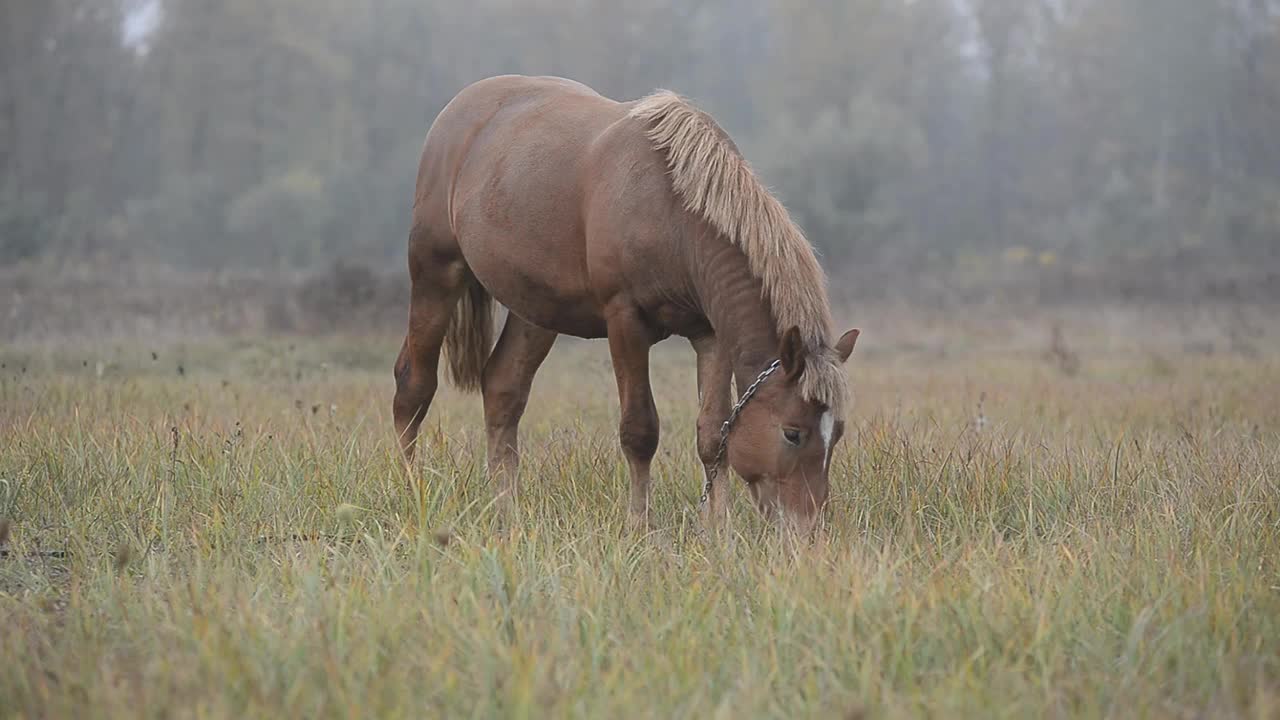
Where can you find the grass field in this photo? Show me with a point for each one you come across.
(1010, 535)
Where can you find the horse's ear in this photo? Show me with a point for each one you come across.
(792, 353)
(844, 346)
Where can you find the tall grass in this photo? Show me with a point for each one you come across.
(1004, 540)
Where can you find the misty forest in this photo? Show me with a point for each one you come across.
(1074, 137)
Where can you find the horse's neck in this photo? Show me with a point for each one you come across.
(733, 300)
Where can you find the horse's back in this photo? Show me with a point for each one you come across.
(504, 88)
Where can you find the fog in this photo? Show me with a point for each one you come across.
(1060, 150)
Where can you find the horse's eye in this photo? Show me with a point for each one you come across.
(792, 436)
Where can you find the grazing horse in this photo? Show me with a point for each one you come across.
(633, 221)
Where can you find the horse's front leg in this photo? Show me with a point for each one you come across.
(629, 343)
(715, 377)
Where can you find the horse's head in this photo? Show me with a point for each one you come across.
(782, 442)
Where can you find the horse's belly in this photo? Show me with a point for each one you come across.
(547, 288)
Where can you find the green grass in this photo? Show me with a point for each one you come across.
(1099, 545)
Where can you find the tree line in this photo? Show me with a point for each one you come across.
(285, 134)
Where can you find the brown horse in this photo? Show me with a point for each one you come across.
(632, 221)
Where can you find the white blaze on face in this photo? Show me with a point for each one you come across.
(826, 426)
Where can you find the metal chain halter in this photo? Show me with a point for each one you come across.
(727, 427)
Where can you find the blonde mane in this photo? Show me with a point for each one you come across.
(716, 183)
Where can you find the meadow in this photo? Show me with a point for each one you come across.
(1020, 526)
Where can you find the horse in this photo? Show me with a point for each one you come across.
(632, 221)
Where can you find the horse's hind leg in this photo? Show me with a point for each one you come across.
(437, 285)
(508, 377)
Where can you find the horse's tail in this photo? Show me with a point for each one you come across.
(469, 338)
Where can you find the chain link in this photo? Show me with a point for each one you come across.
(727, 426)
